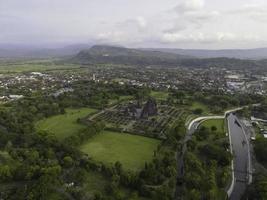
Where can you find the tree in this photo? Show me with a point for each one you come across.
(67, 161)
(213, 128)
(198, 111)
(5, 173)
(260, 148)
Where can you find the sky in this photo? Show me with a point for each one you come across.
(206, 24)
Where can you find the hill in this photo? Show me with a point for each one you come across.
(17, 51)
(119, 55)
(137, 57)
(252, 54)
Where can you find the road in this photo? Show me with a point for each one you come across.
(240, 146)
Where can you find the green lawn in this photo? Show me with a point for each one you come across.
(64, 125)
(121, 98)
(218, 123)
(197, 105)
(131, 150)
(29, 66)
(159, 95)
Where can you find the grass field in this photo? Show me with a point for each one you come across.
(121, 98)
(159, 95)
(218, 123)
(34, 65)
(131, 150)
(64, 125)
(197, 105)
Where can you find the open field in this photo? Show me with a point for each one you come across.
(159, 95)
(121, 98)
(130, 150)
(29, 66)
(64, 125)
(218, 123)
(197, 105)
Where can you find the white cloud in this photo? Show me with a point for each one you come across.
(189, 5)
(217, 37)
(111, 36)
(141, 22)
(201, 23)
(256, 12)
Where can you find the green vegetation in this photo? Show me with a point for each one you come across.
(5, 158)
(207, 162)
(94, 182)
(34, 65)
(258, 189)
(260, 148)
(159, 95)
(66, 124)
(35, 165)
(198, 105)
(215, 125)
(119, 99)
(130, 150)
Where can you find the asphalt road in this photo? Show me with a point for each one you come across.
(240, 152)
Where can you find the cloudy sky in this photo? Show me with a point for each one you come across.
(213, 24)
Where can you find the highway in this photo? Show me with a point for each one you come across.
(241, 151)
(240, 146)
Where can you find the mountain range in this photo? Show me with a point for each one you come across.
(101, 54)
(251, 54)
(20, 51)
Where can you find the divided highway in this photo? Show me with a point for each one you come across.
(241, 153)
(240, 147)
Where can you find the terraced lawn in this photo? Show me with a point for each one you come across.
(130, 150)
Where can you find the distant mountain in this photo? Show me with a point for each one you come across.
(252, 54)
(17, 51)
(113, 51)
(121, 55)
(144, 57)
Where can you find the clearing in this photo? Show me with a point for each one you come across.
(131, 151)
(64, 125)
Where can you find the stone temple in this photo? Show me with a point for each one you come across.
(137, 112)
(150, 109)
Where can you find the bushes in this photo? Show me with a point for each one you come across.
(214, 152)
(260, 149)
(91, 130)
(258, 189)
